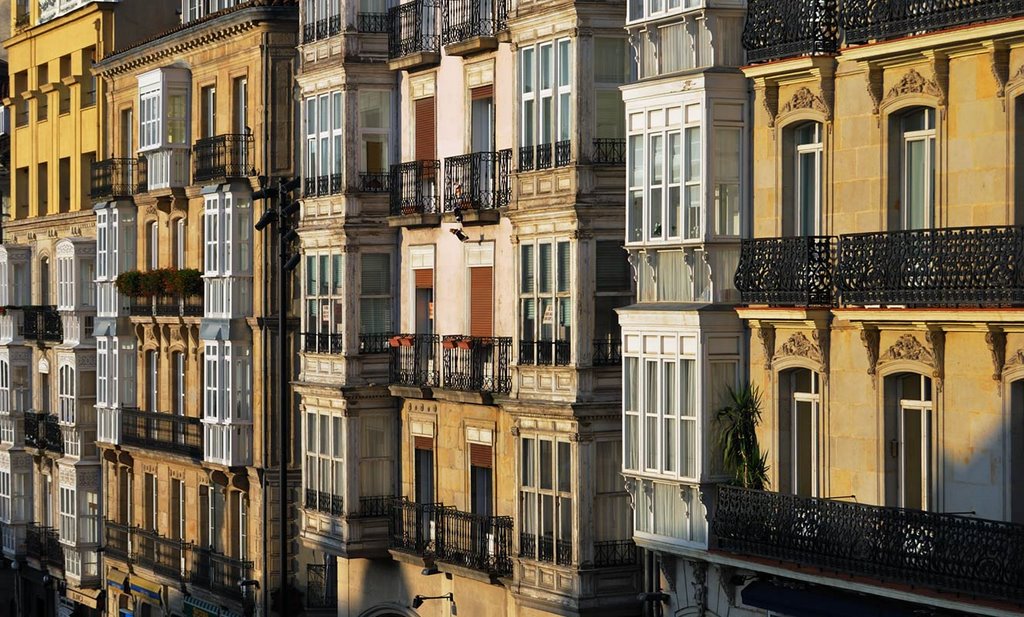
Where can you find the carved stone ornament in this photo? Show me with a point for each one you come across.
(1017, 359)
(907, 347)
(799, 345)
(767, 336)
(770, 101)
(805, 99)
(913, 83)
(996, 341)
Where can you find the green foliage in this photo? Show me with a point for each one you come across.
(129, 283)
(741, 454)
(161, 282)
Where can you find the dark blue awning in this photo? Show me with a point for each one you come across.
(820, 602)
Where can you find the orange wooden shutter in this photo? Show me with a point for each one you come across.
(482, 92)
(481, 301)
(423, 443)
(424, 278)
(425, 133)
(480, 455)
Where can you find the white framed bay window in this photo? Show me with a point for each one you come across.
(546, 498)
(323, 470)
(324, 143)
(545, 87)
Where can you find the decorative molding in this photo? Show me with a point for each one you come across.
(803, 98)
(766, 334)
(937, 339)
(1017, 359)
(996, 340)
(907, 347)
(875, 84)
(823, 338)
(799, 345)
(770, 102)
(915, 83)
(700, 586)
(1000, 57)
(629, 483)
(871, 338)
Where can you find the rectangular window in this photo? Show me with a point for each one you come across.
(546, 93)
(68, 514)
(546, 500)
(149, 119)
(665, 175)
(545, 268)
(631, 404)
(612, 59)
(323, 296)
(727, 180)
(374, 125)
(324, 461)
(324, 141)
(208, 111)
(375, 293)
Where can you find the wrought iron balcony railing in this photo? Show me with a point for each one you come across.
(615, 553)
(413, 526)
(375, 182)
(219, 573)
(414, 188)
(308, 32)
(224, 157)
(118, 540)
(166, 306)
(791, 28)
(544, 353)
(321, 186)
(609, 152)
(563, 152)
(42, 324)
(945, 552)
(325, 343)
(159, 554)
(43, 544)
(794, 271)
(477, 363)
(323, 501)
(321, 587)
(414, 360)
(165, 432)
(114, 178)
(372, 23)
(42, 431)
(607, 352)
(865, 20)
(375, 506)
(374, 342)
(477, 181)
(475, 541)
(413, 28)
(966, 266)
(526, 158)
(545, 548)
(545, 156)
(467, 19)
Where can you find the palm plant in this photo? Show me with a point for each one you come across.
(741, 454)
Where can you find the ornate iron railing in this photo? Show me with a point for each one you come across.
(475, 541)
(466, 19)
(43, 544)
(945, 552)
(219, 573)
(607, 352)
(375, 182)
(615, 553)
(159, 554)
(321, 186)
(414, 360)
(166, 306)
(793, 28)
(42, 324)
(372, 23)
(865, 20)
(563, 152)
(118, 540)
(142, 175)
(544, 353)
(325, 502)
(414, 188)
(413, 526)
(477, 181)
(375, 506)
(477, 363)
(609, 151)
(543, 156)
(315, 342)
(224, 156)
(113, 178)
(545, 548)
(42, 431)
(795, 271)
(374, 342)
(165, 432)
(321, 587)
(966, 266)
(308, 32)
(412, 28)
(526, 156)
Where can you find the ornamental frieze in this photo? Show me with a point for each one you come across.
(803, 98)
(907, 347)
(913, 83)
(799, 345)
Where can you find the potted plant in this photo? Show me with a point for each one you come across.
(151, 283)
(737, 439)
(449, 342)
(466, 342)
(129, 283)
(401, 340)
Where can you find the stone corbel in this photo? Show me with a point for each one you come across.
(999, 54)
(769, 93)
(766, 334)
(996, 340)
(823, 339)
(937, 339)
(667, 566)
(871, 338)
(940, 66)
(875, 86)
(629, 483)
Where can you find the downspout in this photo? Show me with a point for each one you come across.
(265, 588)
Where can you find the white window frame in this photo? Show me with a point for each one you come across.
(815, 148)
(674, 413)
(813, 399)
(557, 93)
(558, 295)
(927, 137)
(532, 495)
(68, 514)
(333, 299)
(925, 407)
(323, 456)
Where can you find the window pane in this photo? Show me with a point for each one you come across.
(564, 62)
(545, 264)
(546, 464)
(528, 461)
(526, 267)
(564, 467)
(564, 271)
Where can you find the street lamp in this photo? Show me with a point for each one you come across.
(280, 214)
(419, 600)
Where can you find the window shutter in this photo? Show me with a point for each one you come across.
(423, 443)
(481, 301)
(480, 455)
(482, 92)
(424, 278)
(425, 137)
(612, 267)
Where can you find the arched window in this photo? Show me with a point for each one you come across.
(802, 181)
(909, 451)
(799, 414)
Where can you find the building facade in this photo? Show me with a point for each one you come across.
(196, 115)
(50, 490)
(884, 312)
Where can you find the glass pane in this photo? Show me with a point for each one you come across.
(546, 67)
(526, 267)
(632, 437)
(564, 62)
(688, 441)
(527, 70)
(546, 464)
(915, 216)
(544, 265)
(807, 178)
(803, 448)
(528, 461)
(564, 467)
(564, 271)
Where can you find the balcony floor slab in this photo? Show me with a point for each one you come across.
(473, 45)
(414, 220)
(420, 59)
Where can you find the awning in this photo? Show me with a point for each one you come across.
(820, 602)
(197, 607)
(117, 579)
(85, 597)
(147, 590)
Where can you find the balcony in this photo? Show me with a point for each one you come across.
(43, 544)
(374, 182)
(116, 178)
(322, 186)
(796, 271)
(314, 342)
(475, 182)
(544, 353)
(945, 552)
(166, 306)
(414, 360)
(118, 540)
(414, 193)
(322, 501)
(413, 39)
(223, 157)
(42, 431)
(533, 158)
(607, 352)
(321, 587)
(164, 432)
(477, 364)
(865, 21)
(42, 324)
(609, 152)
(615, 554)
(219, 573)
(372, 23)
(374, 343)
(321, 29)
(472, 26)
(545, 549)
(159, 554)
(775, 30)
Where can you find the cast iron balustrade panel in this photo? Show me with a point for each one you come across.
(308, 33)
(374, 342)
(54, 550)
(477, 363)
(321, 590)
(776, 30)
(140, 306)
(527, 545)
(526, 158)
(615, 553)
(224, 156)
(42, 324)
(795, 271)
(477, 181)
(375, 506)
(219, 573)
(865, 20)
(542, 158)
(42, 431)
(609, 151)
(414, 188)
(142, 175)
(607, 352)
(946, 552)
(563, 152)
(323, 185)
(117, 542)
(544, 353)
(334, 25)
(322, 28)
(171, 306)
(113, 179)
(475, 541)
(309, 187)
(413, 527)
(159, 554)
(323, 501)
(165, 432)
(375, 182)
(314, 342)
(412, 28)
(372, 23)
(32, 424)
(965, 266)
(43, 543)
(467, 19)
(416, 361)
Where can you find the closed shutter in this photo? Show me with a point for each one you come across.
(613, 272)
(481, 301)
(484, 92)
(480, 455)
(425, 130)
(424, 278)
(423, 443)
